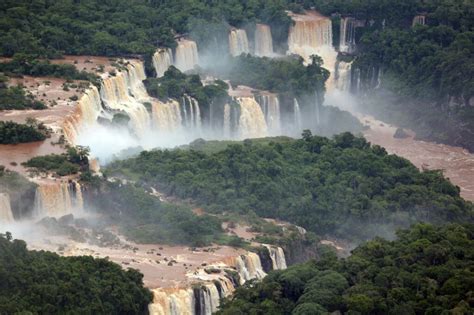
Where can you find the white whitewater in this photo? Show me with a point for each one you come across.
(172, 302)
(192, 113)
(6, 214)
(162, 60)
(271, 110)
(209, 288)
(166, 116)
(297, 119)
(226, 122)
(55, 199)
(186, 55)
(347, 35)
(277, 256)
(238, 42)
(124, 91)
(342, 76)
(263, 41)
(311, 34)
(419, 20)
(252, 122)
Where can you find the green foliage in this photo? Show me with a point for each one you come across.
(102, 28)
(20, 190)
(13, 133)
(282, 75)
(16, 98)
(24, 64)
(342, 186)
(427, 270)
(39, 282)
(175, 84)
(145, 219)
(71, 162)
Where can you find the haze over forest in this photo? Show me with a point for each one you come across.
(236, 157)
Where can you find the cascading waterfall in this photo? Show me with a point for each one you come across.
(238, 42)
(342, 76)
(87, 111)
(186, 55)
(56, 199)
(347, 35)
(419, 20)
(6, 214)
(297, 116)
(277, 256)
(271, 110)
(172, 302)
(166, 116)
(162, 60)
(124, 91)
(252, 121)
(263, 41)
(226, 122)
(311, 34)
(209, 288)
(249, 267)
(191, 113)
(317, 108)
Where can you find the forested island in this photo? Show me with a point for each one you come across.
(123, 94)
(341, 187)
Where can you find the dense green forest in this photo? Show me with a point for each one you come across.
(13, 133)
(343, 187)
(427, 270)
(39, 282)
(282, 75)
(120, 27)
(144, 218)
(16, 97)
(74, 160)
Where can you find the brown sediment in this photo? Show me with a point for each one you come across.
(175, 262)
(456, 163)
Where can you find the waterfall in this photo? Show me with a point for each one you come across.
(6, 214)
(277, 256)
(226, 123)
(271, 110)
(263, 41)
(297, 116)
(172, 302)
(419, 20)
(311, 34)
(249, 267)
(317, 108)
(238, 42)
(342, 76)
(87, 111)
(124, 91)
(162, 60)
(56, 199)
(166, 116)
(186, 55)
(208, 288)
(192, 113)
(347, 35)
(252, 121)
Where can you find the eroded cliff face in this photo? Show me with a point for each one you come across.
(211, 283)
